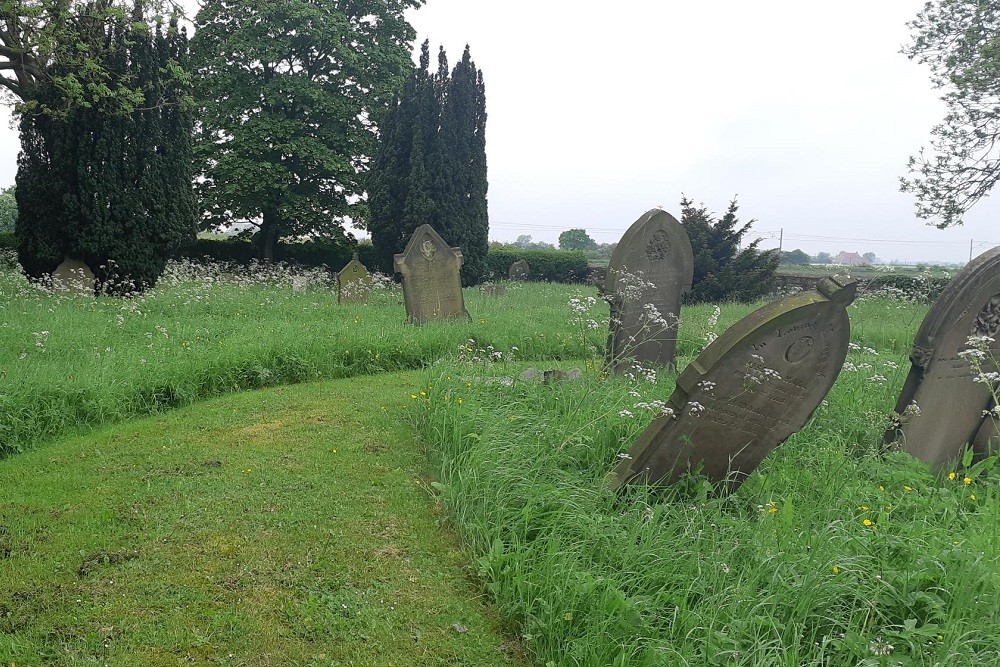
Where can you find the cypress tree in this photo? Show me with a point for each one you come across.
(723, 272)
(430, 166)
(112, 189)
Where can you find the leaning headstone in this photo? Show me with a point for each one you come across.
(432, 286)
(650, 268)
(73, 276)
(749, 390)
(353, 282)
(519, 271)
(940, 408)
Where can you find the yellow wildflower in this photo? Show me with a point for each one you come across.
(835, 569)
(966, 480)
(972, 496)
(952, 475)
(867, 523)
(907, 487)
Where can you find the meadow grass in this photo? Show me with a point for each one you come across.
(290, 526)
(68, 361)
(836, 552)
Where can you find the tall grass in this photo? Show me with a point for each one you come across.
(835, 552)
(67, 361)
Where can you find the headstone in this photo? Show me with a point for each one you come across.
(519, 270)
(650, 268)
(747, 391)
(940, 408)
(75, 277)
(353, 282)
(432, 286)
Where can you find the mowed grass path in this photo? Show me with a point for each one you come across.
(282, 527)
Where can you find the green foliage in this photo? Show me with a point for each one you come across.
(576, 239)
(309, 254)
(111, 189)
(62, 44)
(288, 93)
(430, 166)
(958, 40)
(723, 272)
(823, 258)
(794, 257)
(557, 266)
(8, 209)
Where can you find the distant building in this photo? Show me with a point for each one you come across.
(849, 259)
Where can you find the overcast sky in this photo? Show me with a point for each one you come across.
(600, 111)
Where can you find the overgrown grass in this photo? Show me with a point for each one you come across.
(834, 553)
(70, 361)
(286, 527)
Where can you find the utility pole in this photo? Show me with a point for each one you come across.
(970, 250)
(781, 239)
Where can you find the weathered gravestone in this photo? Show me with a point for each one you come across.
(650, 268)
(940, 408)
(353, 282)
(747, 391)
(519, 270)
(73, 276)
(432, 287)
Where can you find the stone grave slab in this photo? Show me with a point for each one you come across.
(749, 390)
(519, 271)
(940, 408)
(73, 276)
(353, 282)
(432, 286)
(650, 268)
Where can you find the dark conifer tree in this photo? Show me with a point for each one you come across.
(434, 171)
(723, 272)
(112, 189)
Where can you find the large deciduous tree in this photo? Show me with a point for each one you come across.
(960, 41)
(104, 171)
(723, 272)
(289, 94)
(430, 167)
(576, 239)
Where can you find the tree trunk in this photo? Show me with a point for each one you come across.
(269, 230)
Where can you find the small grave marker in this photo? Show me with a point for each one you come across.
(75, 277)
(747, 391)
(940, 408)
(650, 268)
(353, 282)
(432, 286)
(519, 271)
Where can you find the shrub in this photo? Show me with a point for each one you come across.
(557, 266)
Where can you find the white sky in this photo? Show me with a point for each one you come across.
(599, 111)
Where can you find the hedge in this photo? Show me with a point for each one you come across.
(557, 266)
(311, 254)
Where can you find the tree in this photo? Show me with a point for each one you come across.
(958, 40)
(290, 94)
(576, 239)
(8, 209)
(723, 272)
(108, 187)
(794, 257)
(871, 258)
(60, 44)
(430, 166)
(823, 258)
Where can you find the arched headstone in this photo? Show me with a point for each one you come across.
(75, 277)
(353, 282)
(432, 286)
(650, 268)
(940, 408)
(747, 391)
(519, 270)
